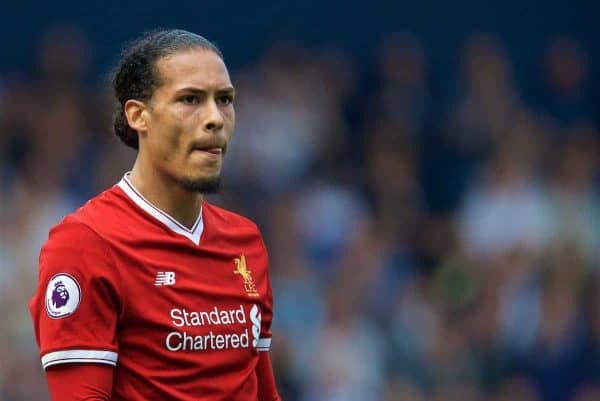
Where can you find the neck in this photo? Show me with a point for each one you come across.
(166, 194)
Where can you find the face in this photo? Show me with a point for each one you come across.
(190, 119)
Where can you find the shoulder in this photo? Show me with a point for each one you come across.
(226, 217)
(226, 227)
(82, 228)
(71, 233)
(75, 248)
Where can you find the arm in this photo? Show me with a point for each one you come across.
(267, 391)
(80, 382)
(75, 313)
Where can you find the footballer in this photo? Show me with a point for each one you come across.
(149, 292)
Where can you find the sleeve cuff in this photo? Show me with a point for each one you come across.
(79, 356)
(264, 344)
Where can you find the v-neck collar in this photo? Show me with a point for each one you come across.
(192, 234)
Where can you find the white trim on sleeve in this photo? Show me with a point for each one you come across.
(79, 356)
(263, 344)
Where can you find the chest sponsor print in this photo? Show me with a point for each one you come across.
(220, 329)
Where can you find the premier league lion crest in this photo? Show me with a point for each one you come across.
(63, 296)
(60, 295)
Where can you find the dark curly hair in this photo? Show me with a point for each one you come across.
(136, 77)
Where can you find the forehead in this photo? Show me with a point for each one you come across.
(193, 68)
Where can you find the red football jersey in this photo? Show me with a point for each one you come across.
(182, 313)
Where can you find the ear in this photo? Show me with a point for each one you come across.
(137, 116)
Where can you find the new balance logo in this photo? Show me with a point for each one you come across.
(164, 278)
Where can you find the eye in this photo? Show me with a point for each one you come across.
(190, 99)
(225, 100)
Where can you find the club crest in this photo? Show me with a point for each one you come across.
(246, 274)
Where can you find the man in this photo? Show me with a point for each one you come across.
(148, 292)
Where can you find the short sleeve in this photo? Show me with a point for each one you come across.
(264, 342)
(77, 302)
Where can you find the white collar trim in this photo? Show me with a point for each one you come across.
(192, 234)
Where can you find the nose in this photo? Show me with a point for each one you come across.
(214, 118)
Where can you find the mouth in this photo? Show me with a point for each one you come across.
(216, 151)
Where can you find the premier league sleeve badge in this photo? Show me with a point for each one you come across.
(63, 296)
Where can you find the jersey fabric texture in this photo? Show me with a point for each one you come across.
(181, 313)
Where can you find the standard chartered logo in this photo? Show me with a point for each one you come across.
(255, 319)
(181, 340)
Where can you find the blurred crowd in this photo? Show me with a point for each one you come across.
(430, 239)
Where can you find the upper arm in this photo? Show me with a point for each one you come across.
(77, 303)
(267, 389)
(80, 382)
(264, 342)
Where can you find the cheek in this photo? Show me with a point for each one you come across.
(164, 145)
(168, 137)
(174, 146)
(229, 117)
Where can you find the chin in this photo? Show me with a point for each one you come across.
(205, 185)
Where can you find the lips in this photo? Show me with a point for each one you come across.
(213, 154)
(214, 151)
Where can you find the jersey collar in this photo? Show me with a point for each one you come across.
(192, 234)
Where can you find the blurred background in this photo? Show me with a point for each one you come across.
(425, 174)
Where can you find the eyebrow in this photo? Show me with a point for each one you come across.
(195, 90)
